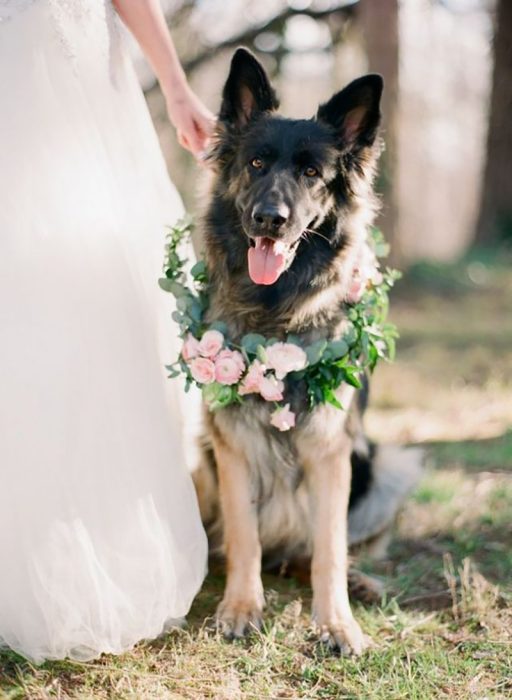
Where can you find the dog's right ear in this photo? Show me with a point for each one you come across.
(247, 91)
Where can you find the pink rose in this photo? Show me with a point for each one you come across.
(190, 348)
(284, 358)
(229, 366)
(282, 418)
(203, 370)
(356, 289)
(234, 355)
(211, 343)
(271, 388)
(253, 378)
(366, 269)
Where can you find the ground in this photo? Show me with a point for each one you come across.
(444, 627)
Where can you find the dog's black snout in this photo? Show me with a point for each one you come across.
(270, 218)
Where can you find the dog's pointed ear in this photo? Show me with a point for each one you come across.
(354, 112)
(247, 91)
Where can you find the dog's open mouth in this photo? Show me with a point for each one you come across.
(268, 259)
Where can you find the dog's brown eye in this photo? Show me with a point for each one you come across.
(257, 163)
(310, 171)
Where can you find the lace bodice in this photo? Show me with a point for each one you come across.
(76, 9)
(9, 8)
(72, 20)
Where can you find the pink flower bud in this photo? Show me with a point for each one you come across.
(282, 418)
(366, 269)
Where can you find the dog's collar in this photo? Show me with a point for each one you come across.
(226, 372)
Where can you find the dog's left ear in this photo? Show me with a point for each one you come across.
(247, 91)
(355, 112)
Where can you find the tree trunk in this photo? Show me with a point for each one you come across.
(379, 24)
(495, 220)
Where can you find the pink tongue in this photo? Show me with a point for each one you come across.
(265, 265)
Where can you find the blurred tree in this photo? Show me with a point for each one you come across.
(275, 23)
(495, 220)
(379, 25)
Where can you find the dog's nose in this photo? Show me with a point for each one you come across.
(270, 218)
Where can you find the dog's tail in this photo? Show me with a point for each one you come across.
(382, 477)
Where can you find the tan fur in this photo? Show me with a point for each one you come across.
(328, 472)
(243, 597)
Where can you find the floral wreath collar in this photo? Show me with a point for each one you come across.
(226, 372)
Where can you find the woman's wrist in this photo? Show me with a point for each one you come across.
(176, 91)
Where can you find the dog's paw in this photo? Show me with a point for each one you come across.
(238, 618)
(344, 636)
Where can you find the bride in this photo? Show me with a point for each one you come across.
(100, 536)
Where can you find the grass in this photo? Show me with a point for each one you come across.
(444, 627)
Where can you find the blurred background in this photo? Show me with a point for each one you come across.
(446, 187)
(445, 177)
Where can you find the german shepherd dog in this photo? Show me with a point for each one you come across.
(308, 493)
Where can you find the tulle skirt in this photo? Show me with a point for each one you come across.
(100, 537)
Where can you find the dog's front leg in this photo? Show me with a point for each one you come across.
(242, 605)
(328, 469)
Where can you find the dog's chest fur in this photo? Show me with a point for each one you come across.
(279, 482)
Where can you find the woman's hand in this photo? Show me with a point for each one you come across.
(192, 120)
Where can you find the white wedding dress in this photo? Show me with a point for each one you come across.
(101, 543)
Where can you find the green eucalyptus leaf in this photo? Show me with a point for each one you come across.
(182, 304)
(175, 288)
(165, 283)
(219, 326)
(251, 341)
(199, 269)
(294, 339)
(315, 351)
(195, 310)
(338, 348)
(350, 335)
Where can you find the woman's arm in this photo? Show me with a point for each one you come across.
(146, 21)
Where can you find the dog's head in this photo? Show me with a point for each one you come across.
(288, 174)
